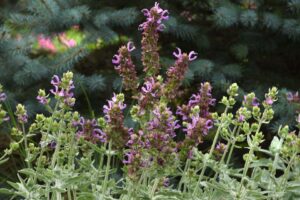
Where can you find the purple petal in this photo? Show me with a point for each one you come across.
(130, 46)
(179, 54)
(192, 55)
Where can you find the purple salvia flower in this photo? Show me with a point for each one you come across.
(255, 102)
(62, 89)
(130, 46)
(166, 182)
(203, 99)
(42, 99)
(21, 114)
(178, 54)
(294, 98)
(192, 56)
(55, 80)
(250, 100)
(116, 60)
(149, 87)
(241, 118)
(88, 130)
(129, 157)
(221, 147)
(2, 96)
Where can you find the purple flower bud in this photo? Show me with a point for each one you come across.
(166, 182)
(269, 101)
(255, 102)
(23, 118)
(241, 118)
(42, 99)
(52, 144)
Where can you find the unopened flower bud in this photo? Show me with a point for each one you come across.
(101, 122)
(14, 146)
(120, 97)
(225, 101)
(232, 101)
(246, 127)
(195, 110)
(215, 115)
(40, 118)
(233, 89)
(284, 131)
(240, 138)
(254, 127)
(270, 114)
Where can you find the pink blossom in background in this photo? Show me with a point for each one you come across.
(67, 42)
(46, 43)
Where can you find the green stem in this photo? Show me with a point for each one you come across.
(286, 173)
(232, 146)
(231, 151)
(58, 196)
(249, 157)
(107, 167)
(26, 146)
(209, 155)
(154, 187)
(39, 160)
(273, 170)
(186, 167)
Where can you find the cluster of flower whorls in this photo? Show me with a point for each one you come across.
(89, 130)
(125, 67)
(151, 27)
(196, 117)
(114, 121)
(151, 144)
(62, 90)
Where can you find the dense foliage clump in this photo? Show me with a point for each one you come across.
(158, 156)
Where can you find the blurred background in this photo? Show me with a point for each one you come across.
(255, 43)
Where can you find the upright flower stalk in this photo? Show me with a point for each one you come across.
(196, 118)
(150, 28)
(176, 73)
(63, 90)
(114, 120)
(125, 67)
(228, 102)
